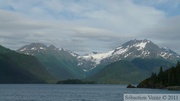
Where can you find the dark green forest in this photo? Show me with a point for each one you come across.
(165, 78)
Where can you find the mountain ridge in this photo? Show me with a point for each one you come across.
(139, 56)
(130, 50)
(127, 51)
(65, 64)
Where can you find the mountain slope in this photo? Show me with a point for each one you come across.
(20, 68)
(124, 71)
(119, 72)
(61, 63)
(128, 51)
(151, 64)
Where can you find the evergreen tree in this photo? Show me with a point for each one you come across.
(178, 65)
(170, 77)
(161, 75)
(178, 73)
(154, 78)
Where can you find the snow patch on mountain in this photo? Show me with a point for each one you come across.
(119, 50)
(163, 54)
(85, 70)
(34, 48)
(60, 49)
(127, 55)
(80, 64)
(141, 45)
(74, 54)
(96, 58)
(42, 48)
(23, 49)
(146, 53)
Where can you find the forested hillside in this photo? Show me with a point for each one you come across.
(20, 68)
(169, 77)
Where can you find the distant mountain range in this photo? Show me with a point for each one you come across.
(131, 62)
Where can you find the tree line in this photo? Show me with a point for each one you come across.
(165, 78)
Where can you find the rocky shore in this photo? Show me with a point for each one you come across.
(155, 87)
(173, 88)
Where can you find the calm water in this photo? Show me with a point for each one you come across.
(48, 92)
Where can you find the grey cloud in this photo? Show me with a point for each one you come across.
(95, 25)
(167, 30)
(166, 33)
(16, 25)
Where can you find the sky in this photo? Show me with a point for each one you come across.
(84, 26)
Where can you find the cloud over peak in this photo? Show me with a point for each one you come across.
(81, 25)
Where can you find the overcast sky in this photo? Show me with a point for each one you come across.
(83, 26)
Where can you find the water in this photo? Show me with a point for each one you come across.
(53, 92)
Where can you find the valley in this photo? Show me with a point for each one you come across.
(132, 62)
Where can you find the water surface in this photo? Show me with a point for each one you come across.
(54, 92)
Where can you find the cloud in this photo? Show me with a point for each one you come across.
(79, 25)
(171, 7)
(166, 33)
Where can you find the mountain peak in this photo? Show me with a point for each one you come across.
(52, 47)
(33, 47)
(137, 45)
(135, 41)
(130, 50)
(37, 45)
(36, 48)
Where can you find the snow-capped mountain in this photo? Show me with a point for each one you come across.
(30, 49)
(141, 56)
(128, 51)
(35, 48)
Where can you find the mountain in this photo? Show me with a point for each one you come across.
(122, 71)
(128, 51)
(20, 68)
(114, 66)
(59, 62)
(137, 57)
(125, 71)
